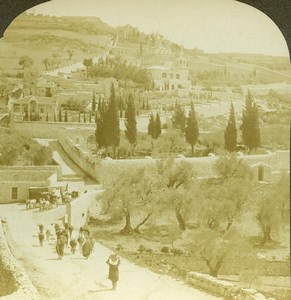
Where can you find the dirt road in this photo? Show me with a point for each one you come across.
(75, 277)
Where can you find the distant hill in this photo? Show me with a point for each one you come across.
(42, 37)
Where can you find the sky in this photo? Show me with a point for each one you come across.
(211, 25)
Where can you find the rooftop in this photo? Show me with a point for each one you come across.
(24, 175)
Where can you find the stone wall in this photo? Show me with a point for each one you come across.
(203, 166)
(53, 130)
(68, 133)
(225, 289)
(85, 161)
(78, 210)
(17, 281)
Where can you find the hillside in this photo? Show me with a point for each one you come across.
(42, 37)
(52, 38)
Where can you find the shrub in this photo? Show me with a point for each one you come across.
(141, 248)
(149, 250)
(19, 75)
(119, 247)
(165, 249)
(177, 251)
(123, 149)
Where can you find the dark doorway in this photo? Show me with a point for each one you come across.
(261, 173)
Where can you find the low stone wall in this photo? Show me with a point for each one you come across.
(16, 278)
(203, 166)
(225, 289)
(86, 162)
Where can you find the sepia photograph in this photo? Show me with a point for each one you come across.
(144, 152)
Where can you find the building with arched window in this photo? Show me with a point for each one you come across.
(33, 108)
(170, 72)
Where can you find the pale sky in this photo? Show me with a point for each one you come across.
(211, 25)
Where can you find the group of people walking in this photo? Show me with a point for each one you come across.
(64, 239)
(85, 242)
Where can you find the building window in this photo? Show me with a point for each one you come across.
(41, 110)
(16, 107)
(164, 75)
(48, 92)
(179, 86)
(173, 87)
(177, 76)
(14, 194)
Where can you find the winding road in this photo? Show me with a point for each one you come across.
(74, 277)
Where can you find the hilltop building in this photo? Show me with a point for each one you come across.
(127, 32)
(171, 72)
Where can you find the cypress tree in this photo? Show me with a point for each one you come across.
(151, 126)
(90, 116)
(26, 115)
(111, 122)
(94, 102)
(158, 127)
(66, 116)
(230, 133)
(191, 129)
(79, 117)
(100, 130)
(179, 119)
(60, 115)
(55, 118)
(250, 124)
(47, 117)
(130, 122)
(84, 117)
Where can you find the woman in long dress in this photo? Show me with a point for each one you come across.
(87, 248)
(113, 261)
(61, 241)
